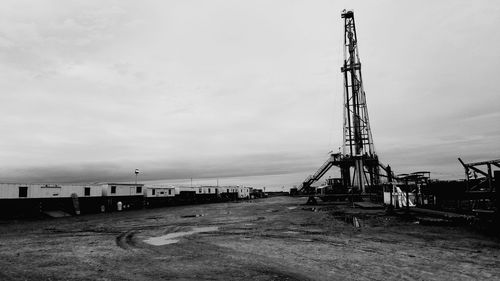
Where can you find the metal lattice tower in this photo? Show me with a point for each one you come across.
(357, 134)
(357, 137)
(358, 162)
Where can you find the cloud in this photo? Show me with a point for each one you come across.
(165, 169)
(92, 90)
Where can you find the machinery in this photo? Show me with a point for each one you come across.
(485, 180)
(358, 162)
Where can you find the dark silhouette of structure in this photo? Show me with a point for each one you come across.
(358, 161)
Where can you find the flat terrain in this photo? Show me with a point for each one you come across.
(265, 239)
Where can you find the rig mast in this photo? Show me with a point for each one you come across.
(358, 148)
(358, 162)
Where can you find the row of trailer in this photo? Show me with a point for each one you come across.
(18, 200)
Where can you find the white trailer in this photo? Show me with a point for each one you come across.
(33, 191)
(160, 191)
(123, 189)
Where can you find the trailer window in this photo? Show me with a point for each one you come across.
(23, 191)
(113, 189)
(228, 190)
(87, 191)
(138, 189)
(169, 191)
(201, 190)
(209, 190)
(153, 191)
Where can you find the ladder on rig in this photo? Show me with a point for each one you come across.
(306, 185)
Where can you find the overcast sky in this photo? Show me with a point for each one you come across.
(91, 90)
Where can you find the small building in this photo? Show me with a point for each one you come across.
(243, 192)
(19, 199)
(238, 192)
(33, 191)
(160, 195)
(160, 191)
(227, 192)
(207, 190)
(119, 196)
(123, 189)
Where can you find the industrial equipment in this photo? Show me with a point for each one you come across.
(358, 162)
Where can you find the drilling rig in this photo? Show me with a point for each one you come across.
(358, 161)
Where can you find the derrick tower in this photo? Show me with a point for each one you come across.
(358, 162)
(358, 148)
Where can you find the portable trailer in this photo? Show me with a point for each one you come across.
(27, 200)
(243, 192)
(206, 194)
(126, 195)
(156, 196)
(228, 193)
(20, 200)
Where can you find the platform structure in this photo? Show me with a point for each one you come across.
(358, 162)
(479, 175)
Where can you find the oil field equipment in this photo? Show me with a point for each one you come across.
(477, 178)
(358, 162)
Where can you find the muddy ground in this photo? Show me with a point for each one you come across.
(265, 239)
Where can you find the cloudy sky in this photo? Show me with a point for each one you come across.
(91, 90)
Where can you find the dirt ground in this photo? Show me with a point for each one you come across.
(266, 239)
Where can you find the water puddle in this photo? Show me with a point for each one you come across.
(170, 238)
(291, 208)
